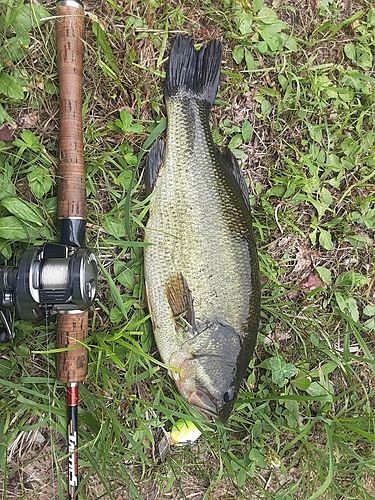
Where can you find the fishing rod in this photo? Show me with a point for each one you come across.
(72, 328)
(61, 278)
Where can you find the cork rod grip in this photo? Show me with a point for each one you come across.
(71, 175)
(71, 332)
(71, 193)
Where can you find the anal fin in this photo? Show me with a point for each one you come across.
(155, 160)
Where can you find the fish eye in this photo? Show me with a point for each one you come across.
(228, 396)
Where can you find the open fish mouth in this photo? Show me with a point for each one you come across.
(204, 403)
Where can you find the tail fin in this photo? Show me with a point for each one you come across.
(191, 72)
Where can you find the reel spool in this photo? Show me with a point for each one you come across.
(51, 279)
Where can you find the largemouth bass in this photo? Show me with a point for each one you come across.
(201, 267)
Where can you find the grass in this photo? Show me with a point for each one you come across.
(296, 104)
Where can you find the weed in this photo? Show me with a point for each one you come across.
(295, 105)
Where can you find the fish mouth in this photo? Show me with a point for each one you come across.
(204, 403)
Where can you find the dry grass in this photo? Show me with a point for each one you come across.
(302, 321)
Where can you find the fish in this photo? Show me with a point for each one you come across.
(200, 257)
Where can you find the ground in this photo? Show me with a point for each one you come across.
(295, 104)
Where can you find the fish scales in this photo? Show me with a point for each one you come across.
(201, 268)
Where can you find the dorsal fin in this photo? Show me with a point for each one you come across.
(229, 162)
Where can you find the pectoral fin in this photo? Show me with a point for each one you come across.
(180, 300)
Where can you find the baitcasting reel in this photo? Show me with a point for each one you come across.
(51, 279)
